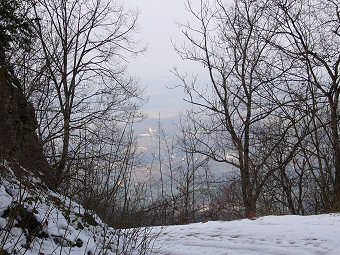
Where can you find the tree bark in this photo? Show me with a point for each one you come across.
(336, 149)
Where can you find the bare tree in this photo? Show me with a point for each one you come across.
(244, 96)
(310, 37)
(81, 73)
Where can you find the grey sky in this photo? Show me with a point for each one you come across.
(157, 27)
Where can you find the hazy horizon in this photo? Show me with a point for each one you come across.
(158, 28)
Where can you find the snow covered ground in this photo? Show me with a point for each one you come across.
(277, 235)
(35, 220)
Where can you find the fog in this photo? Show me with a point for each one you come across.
(158, 30)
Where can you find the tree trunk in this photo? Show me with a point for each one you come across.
(336, 149)
(250, 207)
(61, 168)
(287, 189)
(249, 199)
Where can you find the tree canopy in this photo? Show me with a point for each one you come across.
(14, 26)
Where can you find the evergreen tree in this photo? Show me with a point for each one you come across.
(14, 27)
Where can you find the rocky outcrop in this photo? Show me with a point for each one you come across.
(19, 143)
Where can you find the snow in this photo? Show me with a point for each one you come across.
(63, 221)
(276, 235)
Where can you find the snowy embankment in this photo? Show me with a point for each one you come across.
(35, 220)
(277, 235)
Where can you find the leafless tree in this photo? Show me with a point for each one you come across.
(80, 71)
(245, 94)
(179, 178)
(310, 37)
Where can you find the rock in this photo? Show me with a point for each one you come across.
(79, 243)
(26, 220)
(3, 252)
(19, 143)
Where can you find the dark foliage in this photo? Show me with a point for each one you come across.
(15, 27)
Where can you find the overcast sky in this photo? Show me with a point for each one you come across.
(158, 26)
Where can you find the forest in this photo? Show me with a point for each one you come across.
(268, 112)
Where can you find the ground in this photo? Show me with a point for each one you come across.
(277, 235)
(35, 220)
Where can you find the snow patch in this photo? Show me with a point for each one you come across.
(274, 235)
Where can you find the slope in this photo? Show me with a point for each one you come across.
(36, 220)
(275, 235)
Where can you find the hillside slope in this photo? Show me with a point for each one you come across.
(36, 220)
